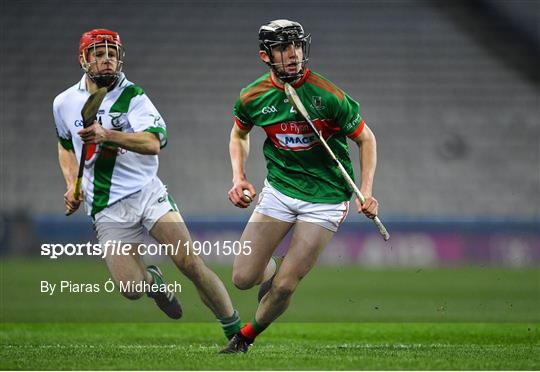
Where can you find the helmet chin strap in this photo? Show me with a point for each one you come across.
(104, 80)
(287, 78)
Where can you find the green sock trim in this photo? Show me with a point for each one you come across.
(231, 325)
(257, 327)
(230, 319)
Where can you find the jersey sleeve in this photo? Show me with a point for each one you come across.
(348, 116)
(241, 117)
(144, 117)
(62, 131)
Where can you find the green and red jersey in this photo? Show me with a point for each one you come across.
(297, 163)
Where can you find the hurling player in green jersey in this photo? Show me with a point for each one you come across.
(303, 189)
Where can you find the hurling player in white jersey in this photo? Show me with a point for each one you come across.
(121, 190)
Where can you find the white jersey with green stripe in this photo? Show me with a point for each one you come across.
(111, 173)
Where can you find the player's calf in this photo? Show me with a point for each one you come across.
(192, 267)
(132, 295)
(283, 288)
(266, 285)
(130, 282)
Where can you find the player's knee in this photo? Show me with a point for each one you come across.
(243, 281)
(284, 288)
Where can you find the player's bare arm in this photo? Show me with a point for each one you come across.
(367, 145)
(144, 143)
(239, 151)
(69, 167)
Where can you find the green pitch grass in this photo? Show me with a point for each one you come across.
(340, 318)
(373, 346)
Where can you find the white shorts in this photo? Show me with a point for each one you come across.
(277, 205)
(126, 219)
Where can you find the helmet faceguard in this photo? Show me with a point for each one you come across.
(89, 42)
(280, 34)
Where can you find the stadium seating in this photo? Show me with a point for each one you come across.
(457, 129)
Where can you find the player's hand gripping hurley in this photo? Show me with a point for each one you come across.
(89, 114)
(299, 106)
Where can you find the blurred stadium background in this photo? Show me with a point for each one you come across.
(451, 90)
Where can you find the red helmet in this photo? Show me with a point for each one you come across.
(98, 36)
(93, 39)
